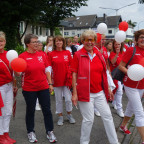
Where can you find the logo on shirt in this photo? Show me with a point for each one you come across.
(55, 57)
(66, 57)
(137, 54)
(28, 58)
(40, 59)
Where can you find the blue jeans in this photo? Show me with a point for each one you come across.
(44, 100)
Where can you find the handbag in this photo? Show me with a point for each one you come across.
(117, 74)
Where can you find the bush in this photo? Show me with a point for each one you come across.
(20, 49)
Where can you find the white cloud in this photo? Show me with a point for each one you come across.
(135, 12)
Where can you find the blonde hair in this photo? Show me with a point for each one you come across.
(2, 35)
(88, 33)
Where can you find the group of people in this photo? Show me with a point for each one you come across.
(81, 74)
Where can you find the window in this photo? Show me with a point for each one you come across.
(110, 31)
(66, 33)
(73, 32)
(40, 30)
(21, 27)
(32, 28)
(36, 30)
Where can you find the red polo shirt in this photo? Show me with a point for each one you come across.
(96, 70)
(136, 59)
(119, 58)
(34, 77)
(60, 62)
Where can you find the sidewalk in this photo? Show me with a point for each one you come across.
(66, 134)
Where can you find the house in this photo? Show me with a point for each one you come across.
(77, 25)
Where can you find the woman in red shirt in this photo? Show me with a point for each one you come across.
(90, 88)
(60, 61)
(6, 92)
(115, 59)
(36, 83)
(134, 89)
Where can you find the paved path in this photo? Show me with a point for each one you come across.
(66, 134)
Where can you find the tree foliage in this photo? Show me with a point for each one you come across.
(49, 12)
(57, 10)
(133, 24)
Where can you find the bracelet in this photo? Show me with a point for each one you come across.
(51, 84)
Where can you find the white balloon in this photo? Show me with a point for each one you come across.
(102, 28)
(136, 72)
(120, 36)
(11, 54)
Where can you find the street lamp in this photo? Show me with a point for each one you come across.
(118, 8)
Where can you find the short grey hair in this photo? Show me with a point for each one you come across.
(88, 33)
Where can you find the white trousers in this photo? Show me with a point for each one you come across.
(134, 105)
(118, 97)
(59, 93)
(7, 96)
(87, 110)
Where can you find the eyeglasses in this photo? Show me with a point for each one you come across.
(91, 40)
(141, 37)
(34, 42)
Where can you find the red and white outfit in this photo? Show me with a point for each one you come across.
(134, 89)
(6, 90)
(118, 91)
(60, 62)
(92, 91)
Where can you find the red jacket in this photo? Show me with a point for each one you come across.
(83, 77)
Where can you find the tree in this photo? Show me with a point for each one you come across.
(57, 10)
(133, 24)
(141, 1)
(14, 11)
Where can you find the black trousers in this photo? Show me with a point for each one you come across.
(44, 100)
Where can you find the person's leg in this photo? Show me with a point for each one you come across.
(103, 107)
(30, 99)
(59, 100)
(44, 100)
(68, 102)
(7, 96)
(134, 97)
(118, 98)
(87, 112)
(59, 104)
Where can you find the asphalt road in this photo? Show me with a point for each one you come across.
(66, 134)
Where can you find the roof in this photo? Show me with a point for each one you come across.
(89, 21)
(111, 21)
(81, 21)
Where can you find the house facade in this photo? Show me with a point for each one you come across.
(77, 25)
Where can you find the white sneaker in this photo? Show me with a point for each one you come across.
(60, 121)
(97, 113)
(51, 137)
(71, 119)
(37, 107)
(120, 113)
(114, 106)
(32, 137)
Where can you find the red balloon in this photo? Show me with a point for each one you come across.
(123, 26)
(98, 37)
(141, 62)
(18, 64)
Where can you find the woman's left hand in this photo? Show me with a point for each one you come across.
(51, 89)
(111, 94)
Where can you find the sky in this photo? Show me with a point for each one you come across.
(135, 12)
